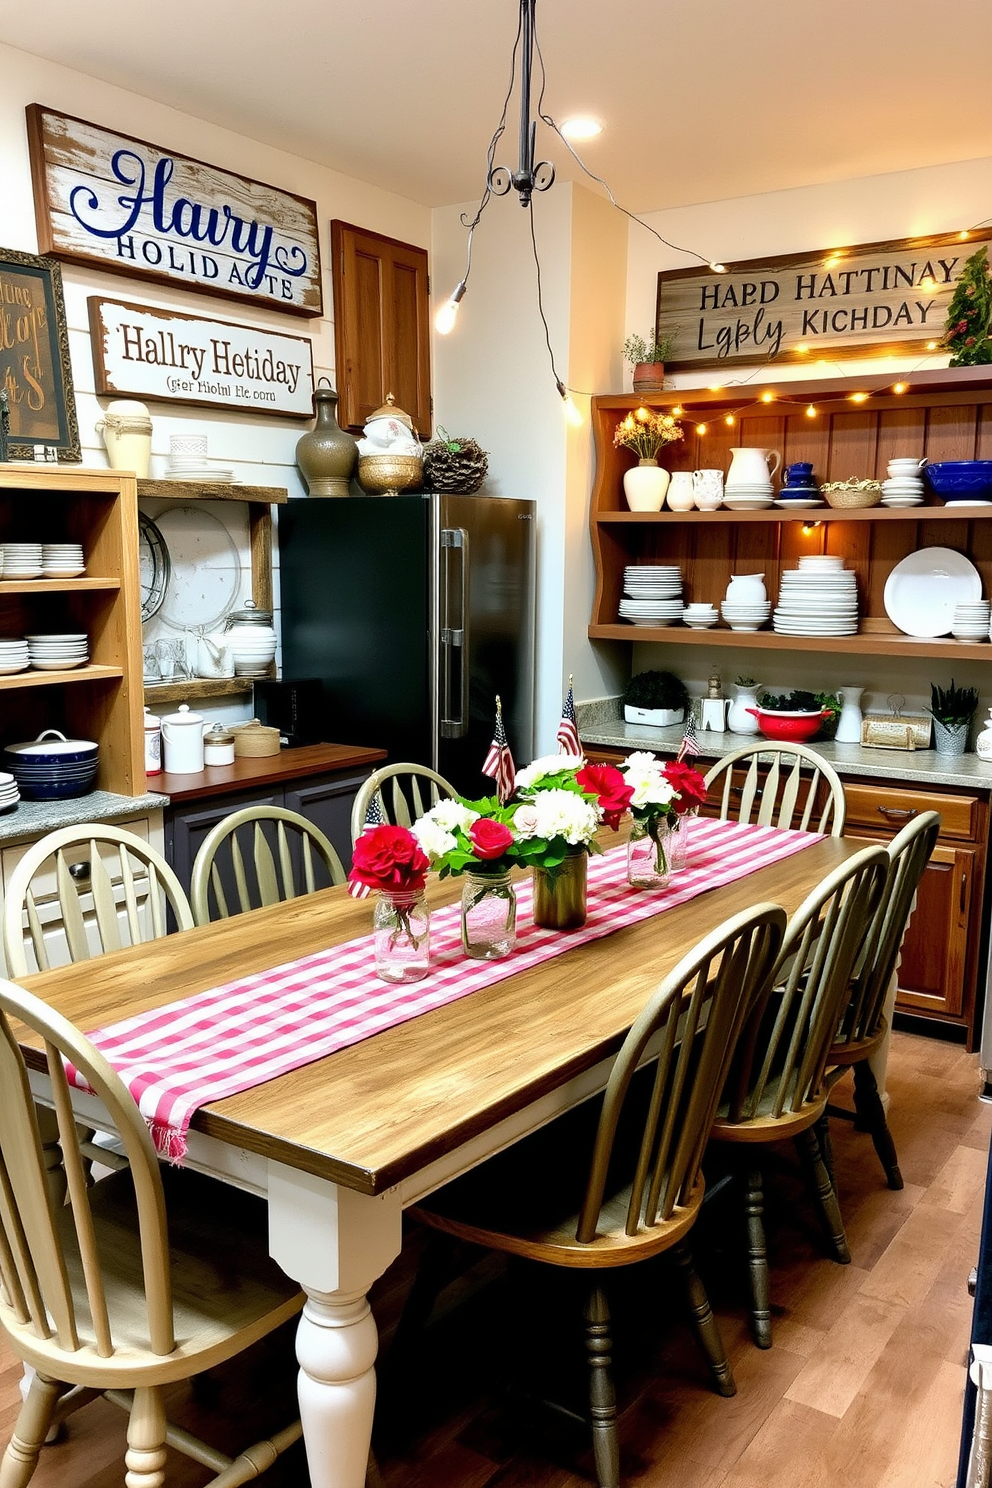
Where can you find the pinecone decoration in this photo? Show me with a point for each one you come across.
(455, 465)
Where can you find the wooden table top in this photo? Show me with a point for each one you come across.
(371, 1115)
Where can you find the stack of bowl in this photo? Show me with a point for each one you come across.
(746, 614)
(904, 486)
(971, 621)
(700, 616)
(52, 767)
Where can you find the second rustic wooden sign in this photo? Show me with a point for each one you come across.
(835, 304)
(104, 198)
(140, 351)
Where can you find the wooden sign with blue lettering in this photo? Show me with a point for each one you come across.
(105, 199)
(831, 305)
(143, 352)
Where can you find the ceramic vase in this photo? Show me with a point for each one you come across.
(127, 433)
(739, 718)
(560, 897)
(489, 916)
(328, 455)
(644, 486)
(680, 491)
(983, 744)
(849, 723)
(401, 937)
(950, 739)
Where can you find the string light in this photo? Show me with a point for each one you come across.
(700, 428)
(858, 397)
(730, 421)
(768, 397)
(811, 412)
(899, 387)
(677, 411)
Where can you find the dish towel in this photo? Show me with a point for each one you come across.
(191, 1053)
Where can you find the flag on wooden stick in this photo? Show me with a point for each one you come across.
(568, 732)
(373, 818)
(499, 761)
(690, 743)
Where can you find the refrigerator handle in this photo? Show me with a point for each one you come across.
(454, 640)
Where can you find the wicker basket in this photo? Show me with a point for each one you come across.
(255, 740)
(852, 494)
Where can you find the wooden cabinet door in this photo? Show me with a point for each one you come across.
(381, 326)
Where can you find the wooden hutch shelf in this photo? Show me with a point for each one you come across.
(196, 687)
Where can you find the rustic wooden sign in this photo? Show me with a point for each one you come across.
(140, 351)
(104, 198)
(35, 370)
(834, 304)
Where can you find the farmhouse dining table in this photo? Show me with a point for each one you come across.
(339, 1147)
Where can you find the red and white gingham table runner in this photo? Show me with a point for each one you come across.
(190, 1053)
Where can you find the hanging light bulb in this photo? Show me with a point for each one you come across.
(572, 413)
(730, 420)
(677, 411)
(811, 412)
(700, 428)
(768, 397)
(718, 268)
(444, 320)
(899, 387)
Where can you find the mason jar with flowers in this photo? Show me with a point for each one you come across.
(389, 861)
(561, 802)
(646, 433)
(664, 798)
(473, 838)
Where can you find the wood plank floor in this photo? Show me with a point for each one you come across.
(862, 1388)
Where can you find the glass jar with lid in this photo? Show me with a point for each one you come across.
(218, 745)
(252, 639)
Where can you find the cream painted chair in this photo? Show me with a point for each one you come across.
(147, 1278)
(84, 890)
(799, 788)
(404, 792)
(263, 877)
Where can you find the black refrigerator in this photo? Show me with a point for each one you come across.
(414, 612)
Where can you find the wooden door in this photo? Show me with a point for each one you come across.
(381, 326)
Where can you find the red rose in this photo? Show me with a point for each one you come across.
(607, 783)
(688, 782)
(490, 839)
(389, 858)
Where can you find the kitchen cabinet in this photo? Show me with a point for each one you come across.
(101, 700)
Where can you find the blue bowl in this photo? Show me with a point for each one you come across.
(961, 480)
(55, 790)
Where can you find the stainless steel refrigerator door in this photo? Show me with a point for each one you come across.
(483, 621)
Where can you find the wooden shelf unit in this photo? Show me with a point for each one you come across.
(944, 415)
(100, 701)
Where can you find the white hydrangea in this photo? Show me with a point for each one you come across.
(452, 815)
(561, 813)
(433, 838)
(645, 775)
(548, 764)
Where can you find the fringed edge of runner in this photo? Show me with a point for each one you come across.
(169, 1143)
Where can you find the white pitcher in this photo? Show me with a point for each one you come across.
(752, 467)
(680, 492)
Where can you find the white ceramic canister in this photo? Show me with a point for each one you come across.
(251, 637)
(983, 744)
(153, 744)
(182, 741)
(127, 432)
(218, 746)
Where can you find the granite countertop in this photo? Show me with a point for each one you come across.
(601, 722)
(34, 818)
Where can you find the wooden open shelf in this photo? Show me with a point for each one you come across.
(50, 679)
(57, 586)
(196, 687)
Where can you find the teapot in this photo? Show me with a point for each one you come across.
(213, 655)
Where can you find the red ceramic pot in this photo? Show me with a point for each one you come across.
(792, 728)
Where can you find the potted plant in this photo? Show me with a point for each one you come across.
(655, 699)
(831, 704)
(647, 359)
(952, 709)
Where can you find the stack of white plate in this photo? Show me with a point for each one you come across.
(748, 495)
(971, 620)
(62, 560)
(904, 486)
(9, 794)
(13, 655)
(198, 470)
(56, 653)
(21, 560)
(819, 598)
(745, 614)
(652, 593)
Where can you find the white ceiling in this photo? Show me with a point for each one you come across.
(701, 100)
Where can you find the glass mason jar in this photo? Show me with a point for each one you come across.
(657, 850)
(560, 896)
(401, 936)
(489, 916)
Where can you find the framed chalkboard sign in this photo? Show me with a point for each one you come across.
(35, 372)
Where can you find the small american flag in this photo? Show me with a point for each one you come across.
(499, 764)
(690, 743)
(373, 818)
(568, 733)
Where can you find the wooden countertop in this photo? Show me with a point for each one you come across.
(247, 774)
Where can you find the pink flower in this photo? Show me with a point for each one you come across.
(525, 820)
(490, 839)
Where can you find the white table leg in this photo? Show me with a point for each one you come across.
(335, 1243)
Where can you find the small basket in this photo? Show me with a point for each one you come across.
(255, 740)
(852, 494)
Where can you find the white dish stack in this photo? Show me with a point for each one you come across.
(58, 653)
(971, 621)
(748, 495)
(9, 794)
(13, 655)
(22, 560)
(904, 486)
(819, 598)
(188, 461)
(652, 594)
(62, 560)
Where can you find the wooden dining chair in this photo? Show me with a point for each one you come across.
(147, 1278)
(238, 858)
(576, 1195)
(84, 890)
(403, 792)
(864, 1024)
(777, 1087)
(784, 785)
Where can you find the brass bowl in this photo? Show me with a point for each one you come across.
(388, 475)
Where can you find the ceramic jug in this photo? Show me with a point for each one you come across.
(746, 589)
(680, 494)
(127, 434)
(182, 741)
(213, 655)
(707, 489)
(741, 717)
(849, 723)
(752, 467)
(983, 744)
